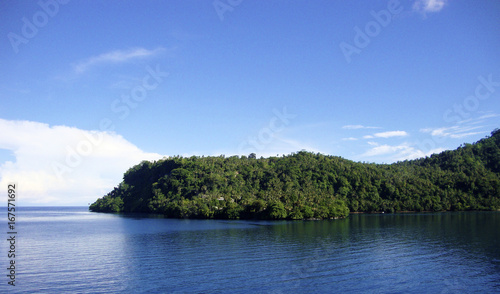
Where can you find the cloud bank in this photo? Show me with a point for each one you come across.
(61, 165)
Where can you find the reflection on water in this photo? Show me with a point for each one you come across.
(62, 249)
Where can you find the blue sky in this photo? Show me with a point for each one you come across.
(89, 89)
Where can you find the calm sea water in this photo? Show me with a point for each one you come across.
(71, 250)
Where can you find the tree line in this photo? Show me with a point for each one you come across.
(305, 185)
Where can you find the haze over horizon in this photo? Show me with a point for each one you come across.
(91, 89)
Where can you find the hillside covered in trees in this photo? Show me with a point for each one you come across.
(306, 185)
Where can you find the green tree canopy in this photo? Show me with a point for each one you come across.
(305, 185)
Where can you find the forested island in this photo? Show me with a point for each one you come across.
(305, 185)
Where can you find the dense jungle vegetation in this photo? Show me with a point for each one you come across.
(304, 185)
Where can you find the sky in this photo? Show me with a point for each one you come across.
(90, 88)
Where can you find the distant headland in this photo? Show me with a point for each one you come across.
(305, 185)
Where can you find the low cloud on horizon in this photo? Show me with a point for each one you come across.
(61, 165)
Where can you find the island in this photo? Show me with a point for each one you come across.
(305, 185)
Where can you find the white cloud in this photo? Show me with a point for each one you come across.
(349, 139)
(488, 115)
(62, 165)
(412, 153)
(383, 149)
(458, 136)
(391, 134)
(117, 56)
(429, 5)
(395, 153)
(357, 127)
(454, 132)
(352, 127)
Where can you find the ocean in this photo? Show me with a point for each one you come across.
(72, 250)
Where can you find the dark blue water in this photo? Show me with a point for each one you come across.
(71, 250)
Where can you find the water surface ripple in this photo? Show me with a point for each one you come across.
(70, 250)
